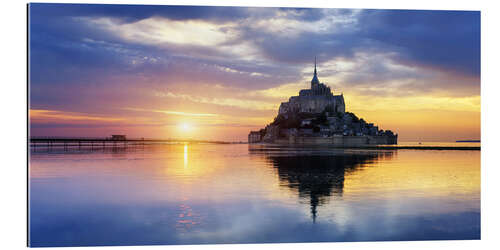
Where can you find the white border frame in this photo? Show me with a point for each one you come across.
(14, 125)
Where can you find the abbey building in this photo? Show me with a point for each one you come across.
(314, 100)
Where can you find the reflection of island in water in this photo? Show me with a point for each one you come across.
(317, 174)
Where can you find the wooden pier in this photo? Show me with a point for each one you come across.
(96, 143)
(67, 142)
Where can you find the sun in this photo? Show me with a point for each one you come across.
(186, 127)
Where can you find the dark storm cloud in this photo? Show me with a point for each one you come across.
(306, 46)
(448, 40)
(304, 14)
(133, 13)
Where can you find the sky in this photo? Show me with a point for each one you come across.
(216, 73)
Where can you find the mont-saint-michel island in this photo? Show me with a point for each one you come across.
(317, 116)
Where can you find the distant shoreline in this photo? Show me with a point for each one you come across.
(382, 147)
(430, 147)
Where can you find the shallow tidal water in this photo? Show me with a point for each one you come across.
(239, 193)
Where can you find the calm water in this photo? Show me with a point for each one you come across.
(191, 194)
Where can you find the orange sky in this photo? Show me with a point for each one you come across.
(425, 118)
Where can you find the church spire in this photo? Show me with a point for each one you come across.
(315, 65)
(315, 80)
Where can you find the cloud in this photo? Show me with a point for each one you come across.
(231, 102)
(37, 114)
(444, 39)
(170, 112)
(158, 31)
(133, 13)
(382, 75)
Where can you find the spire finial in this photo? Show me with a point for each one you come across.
(314, 65)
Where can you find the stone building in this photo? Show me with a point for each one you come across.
(314, 100)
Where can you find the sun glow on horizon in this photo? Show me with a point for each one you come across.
(185, 127)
